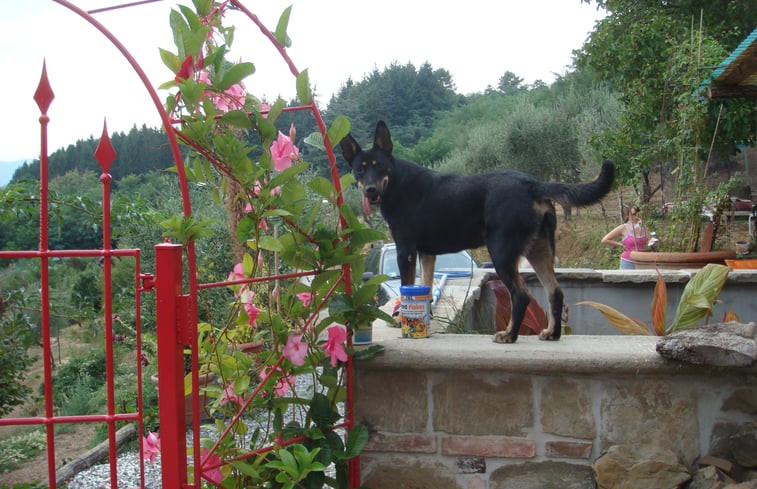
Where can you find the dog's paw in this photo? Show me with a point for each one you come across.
(547, 335)
(503, 337)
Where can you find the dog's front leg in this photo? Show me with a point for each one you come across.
(406, 263)
(427, 270)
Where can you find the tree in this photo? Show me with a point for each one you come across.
(406, 98)
(510, 84)
(643, 49)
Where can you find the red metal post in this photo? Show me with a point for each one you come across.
(44, 96)
(168, 283)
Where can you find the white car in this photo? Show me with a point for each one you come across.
(382, 259)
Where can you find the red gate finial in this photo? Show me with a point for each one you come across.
(44, 94)
(105, 154)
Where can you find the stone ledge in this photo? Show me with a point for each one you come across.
(640, 276)
(582, 354)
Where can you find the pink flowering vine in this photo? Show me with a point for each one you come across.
(283, 150)
(306, 298)
(252, 313)
(213, 475)
(231, 99)
(295, 350)
(282, 385)
(228, 396)
(335, 344)
(151, 446)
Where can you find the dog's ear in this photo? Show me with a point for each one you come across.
(382, 140)
(350, 148)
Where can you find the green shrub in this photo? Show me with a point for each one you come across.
(16, 337)
(19, 448)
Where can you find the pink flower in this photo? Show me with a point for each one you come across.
(283, 150)
(250, 308)
(295, 350)
(252, 313)
(229, 396)
(213, 475)
(204, 77)
(151, 446)
(264, 110)
(237, 273)
(281, 387)
(186, 69)
(333, 346)
(256, 190)
(306, 298)
(232, 98)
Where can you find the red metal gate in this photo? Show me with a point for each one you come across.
(176, 308)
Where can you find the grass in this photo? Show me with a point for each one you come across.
(21, 447)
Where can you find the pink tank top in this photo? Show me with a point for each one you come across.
(635, 239)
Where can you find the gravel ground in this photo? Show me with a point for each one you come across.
(98, 476)
(127, 465)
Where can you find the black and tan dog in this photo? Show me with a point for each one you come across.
(431, 213)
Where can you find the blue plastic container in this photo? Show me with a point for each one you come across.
(415, 310)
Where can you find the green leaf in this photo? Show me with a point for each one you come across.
(321, 411)
(338, 130)
(246, 228)
(315, 139)
(699, 296)
(347, 180)
(281, 27)
(323, 187)
(303, 88)
(270, 243)
(234, 75)
(171, 61)
(237, 118)
(356, 441)
(246, 468)
(288, 174)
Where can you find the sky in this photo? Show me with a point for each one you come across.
(477, 41)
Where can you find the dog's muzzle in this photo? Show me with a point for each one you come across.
(371, 196)
(371, 193)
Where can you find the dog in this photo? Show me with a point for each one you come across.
(431, 213)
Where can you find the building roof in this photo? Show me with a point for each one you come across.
(737, 75)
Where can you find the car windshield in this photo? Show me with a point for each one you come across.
(443, 262)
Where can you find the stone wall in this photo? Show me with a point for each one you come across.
(458, 411)
(629, 291)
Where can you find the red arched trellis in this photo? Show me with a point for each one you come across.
(176, 311)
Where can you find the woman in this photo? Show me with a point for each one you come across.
(634, 237)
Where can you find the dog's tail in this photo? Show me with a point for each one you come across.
(580, 194)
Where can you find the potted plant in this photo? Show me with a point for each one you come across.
(698, 297)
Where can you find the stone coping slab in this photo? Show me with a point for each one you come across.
(583, 354)
(636, 276)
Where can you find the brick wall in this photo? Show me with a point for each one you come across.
(458, 411)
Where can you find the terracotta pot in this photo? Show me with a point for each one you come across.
(252, 347)
(695, 259)
(204, 380)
